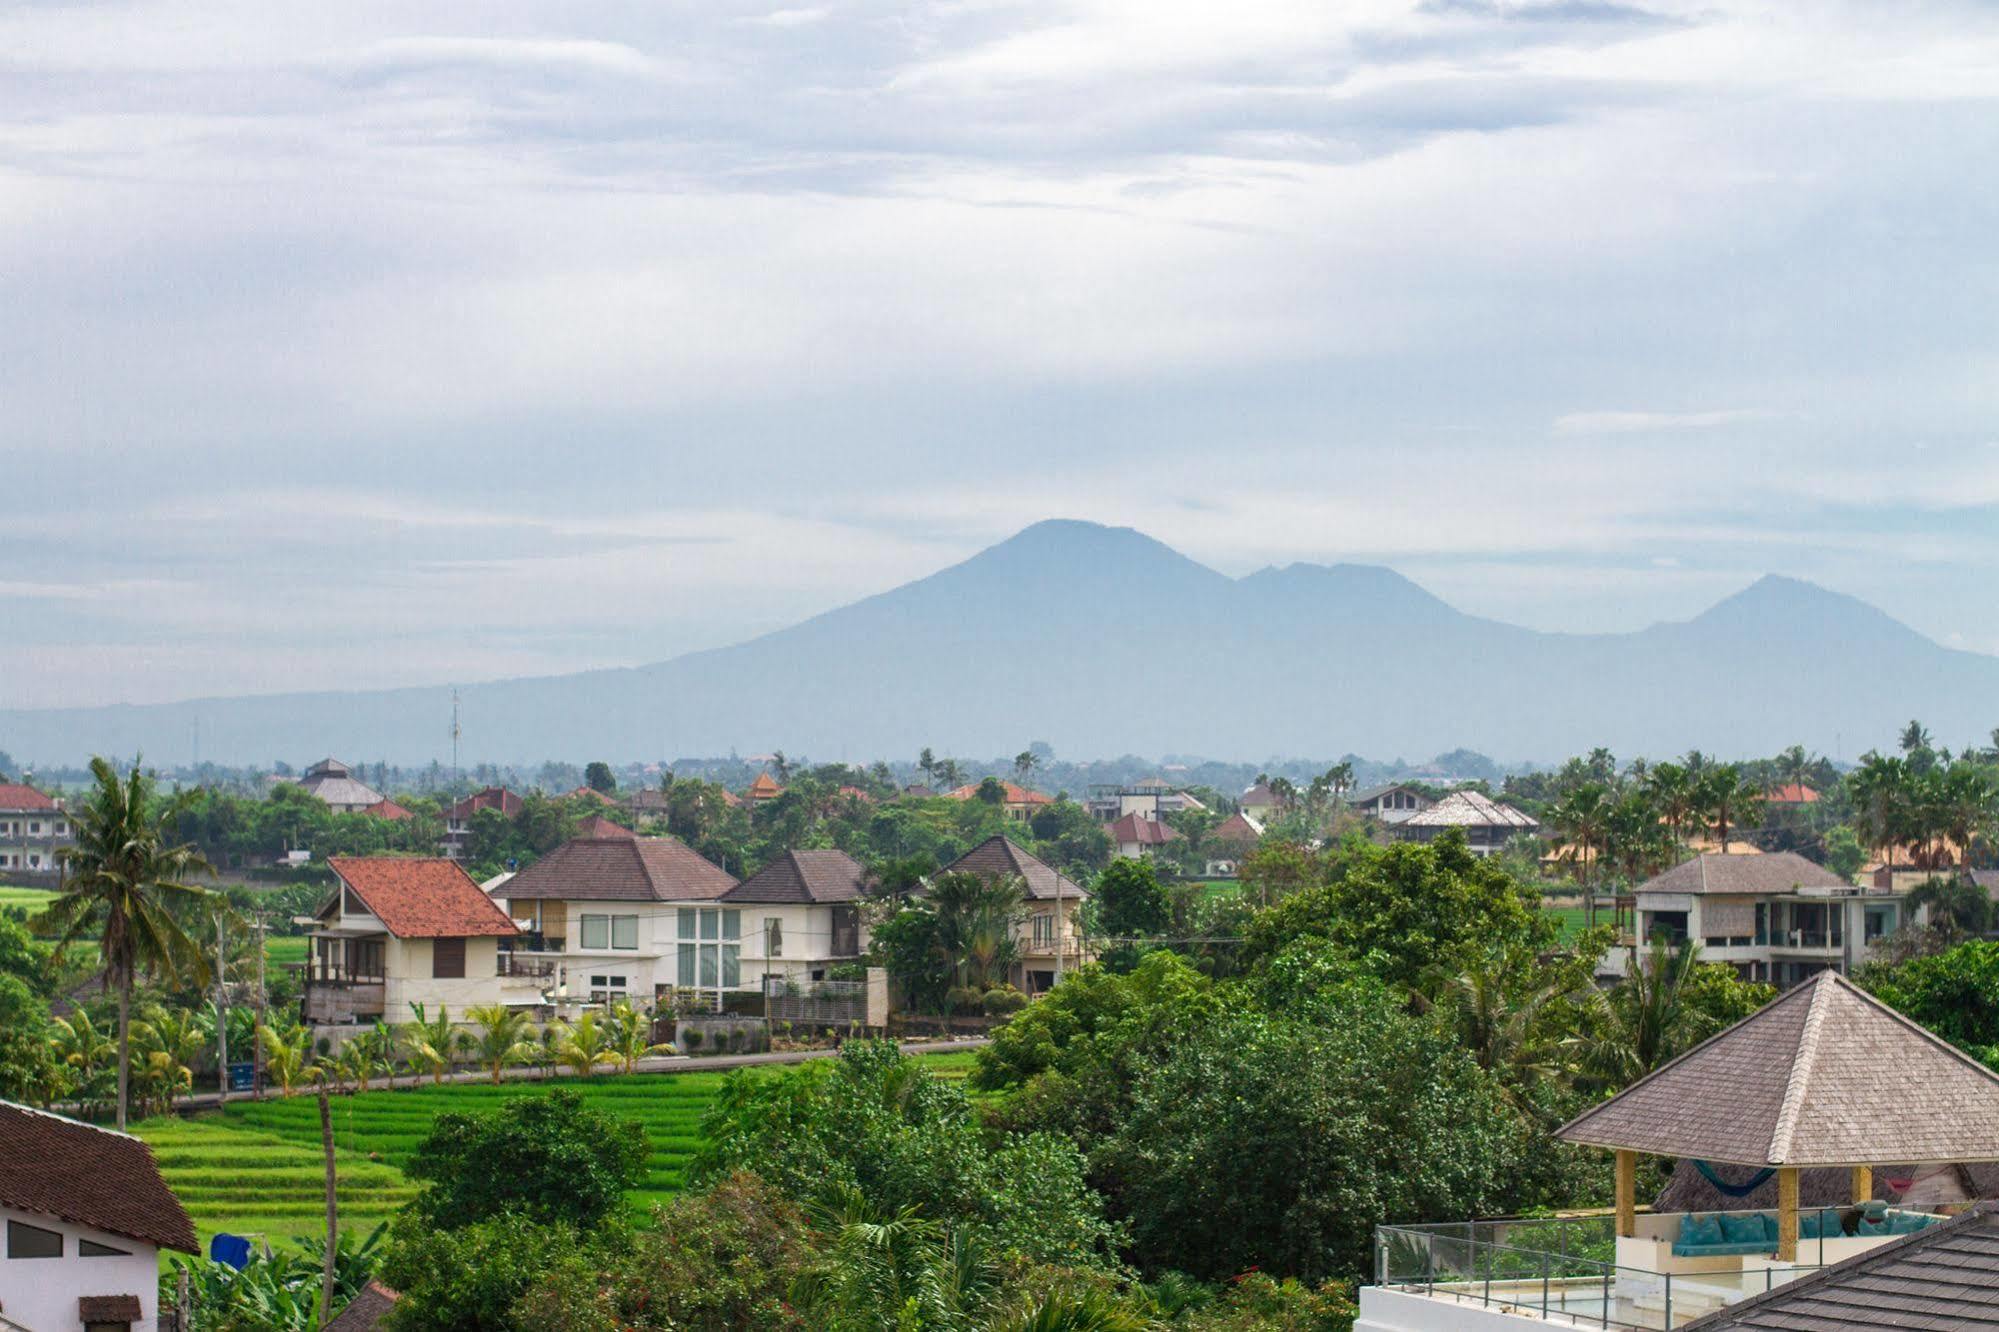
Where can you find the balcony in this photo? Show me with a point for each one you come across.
(527, 966)
(1576, 1272)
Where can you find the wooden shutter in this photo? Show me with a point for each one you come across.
(447, 959)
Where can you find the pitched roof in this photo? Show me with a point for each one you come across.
(1822, 1075)
(1374, 793)
(422, 898)
(621, 869)
(1777, 872)
(108, 1309)
(1942, 1277)
(590, 793)
(997, 856)
(493, 797)
(88, 1176)
(599, 826)
(764, 787)
(1470, 809)
(365, 1312)
(804, 876)
(387, 809)
(14, 795)
(329, 767)
(1143, 831)
(1237, 828)
(1792, 793)
(1260, 794)
(333, 782)
(918, 791)
(1016, 794)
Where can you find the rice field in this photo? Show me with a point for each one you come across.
(254, 1167)
(1570, 917)
(31, 899)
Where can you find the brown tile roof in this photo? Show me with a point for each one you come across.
(1778, 872)
(765, 787)
(1143, 831)
(89, 1177)
(365, 1312)
(13, 795)
(620, 869)
(386, 808)
(599, 826)
(1469, 809)
(997, 856)
(108, 1309)
(422, 898)
(1943, 1277)
(1824, 1075)
(493, 797)
(804, 876)
(1015, 794)
(1239, 828)
(590, 793)
(918, 791)
(1260, 794)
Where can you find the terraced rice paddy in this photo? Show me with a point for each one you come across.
(254, 1167)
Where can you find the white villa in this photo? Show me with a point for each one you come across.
(33, 828)
(87, 1215)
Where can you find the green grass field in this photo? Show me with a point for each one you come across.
(33, 899)
(281, 949)
(1571, 918)
(254, 1167)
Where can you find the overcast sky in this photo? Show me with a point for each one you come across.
(367, 344)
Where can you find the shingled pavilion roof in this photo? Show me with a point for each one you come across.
(1824, 1075)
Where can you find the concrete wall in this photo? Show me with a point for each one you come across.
(408, 964)
(41, 1293)
(1384, 1310)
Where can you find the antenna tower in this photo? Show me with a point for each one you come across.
(454, 737)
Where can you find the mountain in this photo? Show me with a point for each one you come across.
(1104, 641)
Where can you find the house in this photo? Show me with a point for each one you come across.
(403, 930)
(1019, 802)
(388, 809)
(801, 915)
(1486, 823)
(599, 826)
(335, 784)
(1909, 865)
(87, 1216)
(608, 918)
(1231, 840)
(1776, 917)
(1391, 804)
(1049, 939)
(1260, 803)
(1153, 798)
(1791, 795)
(763, 787)
(366, 1311)
(1137, 835)
(592, 794)
(458, 818)
(918, 791)
(33, 828)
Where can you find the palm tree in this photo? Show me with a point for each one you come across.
(1672, 792)
(1645, 1019)
(287, 1056)
(1499, 1010)
(584, 1044)
(81, 1049)
(1915, 738)
(976, 919)
(1727, 801)
(126, 885)
(168, 1043)
(1581, 821)
(431, 1041)
(631, 1035)
(1956, 907)
(502, 1038)
(1024, 764)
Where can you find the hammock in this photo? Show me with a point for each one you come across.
(1756, 1181)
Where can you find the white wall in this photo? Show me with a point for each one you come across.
(41, 1293)
(1384, 1310)
(408, 965)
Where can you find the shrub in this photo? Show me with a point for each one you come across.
(551, 1158)
(1004, 1000)
(468, 1280)
(692, 1036)
(963, 999)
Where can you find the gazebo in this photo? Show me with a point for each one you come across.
(1824, 1075)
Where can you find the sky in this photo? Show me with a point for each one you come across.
(374, 344)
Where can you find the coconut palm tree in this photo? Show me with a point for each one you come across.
(287, 1056)
(166, 1043)
(125, 885)
(1956, 907)
(82, 1050)
(584, 1044)
(976, 919)
(1727, 801)
(631, 1035)
(431, 1042)
(502, 1038)
(1645, 1020)
(1672, 793)
(1581, 820)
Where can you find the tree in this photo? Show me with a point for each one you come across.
(597, 775)
(29, 1071)
(469, 1279)
(630, 1035)
(126, 884)
(976, 919)
(1129, 903)
(431, 1042)
(584, 1044)
(1843, 853)
(926, 763)
(502, 1040)
(1671, 789)
(551, 1157)
(1954, 906)
(1668, 1002)
(1024, 764)
(1953, 993)
(287, 1056)
(1727, 801)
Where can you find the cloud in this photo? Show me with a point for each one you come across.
(1640, 423)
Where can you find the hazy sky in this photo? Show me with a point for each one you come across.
(395, 343)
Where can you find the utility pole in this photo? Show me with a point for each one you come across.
(454, 737)
(256, 1040)
(221, 1010)
(332, 1209)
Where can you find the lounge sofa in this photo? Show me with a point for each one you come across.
(1718, 1234)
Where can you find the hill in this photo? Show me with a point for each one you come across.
(1104, 641)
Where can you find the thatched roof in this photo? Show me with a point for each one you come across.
(1823, 1075)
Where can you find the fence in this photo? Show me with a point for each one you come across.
(816, 1003)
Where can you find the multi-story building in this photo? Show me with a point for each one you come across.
(1487, 824)
(33, 828)
(1391, 804)
(1152, 798)
(1048, 938)
(458, 818)
(1018, 801)
(800, 916)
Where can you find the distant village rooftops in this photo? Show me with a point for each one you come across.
(1016, 794)
(1237, 828)
(1137, 830)
(1792, 793)
(1471, 809)
(386, 808)
(493, 797)
(334, 783)
(1777, 872)
(764, 787)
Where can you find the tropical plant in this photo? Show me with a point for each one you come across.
(584, 1044)
(502, 1040)
(1726, 801)
(84, 1051)
(630, 1035)
(431, 1042)
(166, 1044)
(287, 1056)
(1954, 906)
(550, 1156)
(125, 885)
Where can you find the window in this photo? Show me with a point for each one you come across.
(26, 1241)
(353, 905)
(1044, 930)
(716, 959)
(1880, 920)
(34, 828)
(596, 931)
(86, 1248)
(773, 936)
(607, 989)
(447, 959)
(625, 932)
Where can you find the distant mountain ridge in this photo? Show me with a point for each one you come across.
(1105, 641)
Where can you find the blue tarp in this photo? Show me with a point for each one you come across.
(231, 1249)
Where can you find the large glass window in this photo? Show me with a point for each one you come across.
(624, 931)
(596, 931)
(716, 959)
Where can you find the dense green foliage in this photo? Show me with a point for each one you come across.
(1955, 994)
(550, 1158)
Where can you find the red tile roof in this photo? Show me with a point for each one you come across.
(1238, 828)
(856, 793)
(422, 898)
(388, 809)
(13, 795)
(1133, 828)
(765, 787)
(88, 1177)
(493, 797)
(1015, 794)
(590, 793)
(620, 869)
(1792, 793)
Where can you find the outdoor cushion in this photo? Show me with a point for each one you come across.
(1907, 1223)
(1743, 1229)
(1700, 1231)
